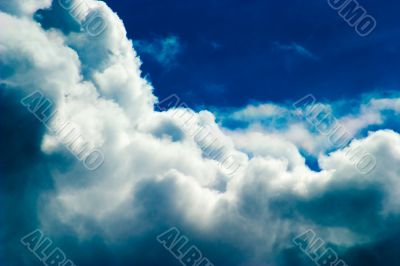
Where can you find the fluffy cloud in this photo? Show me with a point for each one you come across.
(156, 172)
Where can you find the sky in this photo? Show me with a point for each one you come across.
(231, 52)
(232, 133)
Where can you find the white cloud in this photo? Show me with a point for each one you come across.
(259, 112)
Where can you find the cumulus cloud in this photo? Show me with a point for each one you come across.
(156, 174)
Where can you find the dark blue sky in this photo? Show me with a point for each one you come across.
(235, 52)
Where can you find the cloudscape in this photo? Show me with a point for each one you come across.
(232, 133)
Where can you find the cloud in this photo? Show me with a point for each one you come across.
(163, 50)
(155, 174)
(258, 112)
(296, 48)
(24, 8)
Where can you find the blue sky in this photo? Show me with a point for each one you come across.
(234, 52)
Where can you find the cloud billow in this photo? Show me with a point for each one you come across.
(155, 175)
